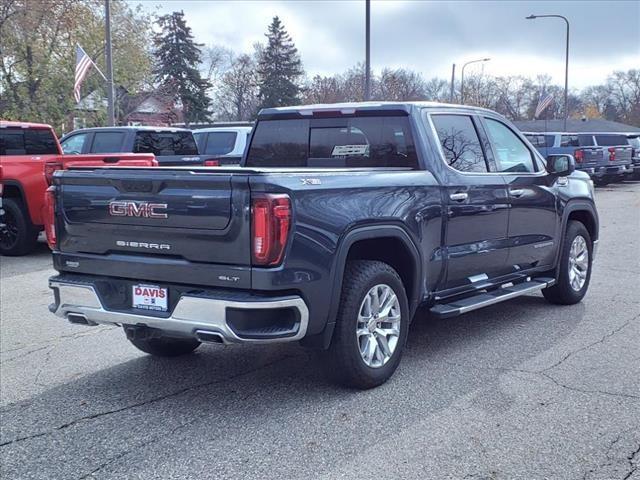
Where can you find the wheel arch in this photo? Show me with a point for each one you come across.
(355, 244)
(584, 212)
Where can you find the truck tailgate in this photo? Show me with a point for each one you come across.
(160, 213)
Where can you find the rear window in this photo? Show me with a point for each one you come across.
(333, 142)
(611, 140)
(540, 141)
(220, 143)
(14, 141)
(576, 140)
(165, 143)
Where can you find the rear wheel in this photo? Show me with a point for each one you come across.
(371, 327)
(165, 347)
(575, 267)
(17, 235)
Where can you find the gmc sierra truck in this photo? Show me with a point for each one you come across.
(340, 222)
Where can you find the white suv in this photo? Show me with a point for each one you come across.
(225, 143)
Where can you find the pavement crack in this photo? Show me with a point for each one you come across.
(582, 390)
(42, 366)
(586, 347)
(57, 341)
(120, 455)
(632, 465)
(143, 403)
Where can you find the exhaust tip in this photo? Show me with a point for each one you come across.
(79, 319)
(206, 336)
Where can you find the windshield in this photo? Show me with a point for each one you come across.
(384, 141)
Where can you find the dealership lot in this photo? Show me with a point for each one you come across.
(518, 390)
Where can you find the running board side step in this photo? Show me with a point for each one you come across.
(484, 299)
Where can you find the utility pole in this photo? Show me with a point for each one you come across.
(453, 82)
(367, 61)
(111, 119)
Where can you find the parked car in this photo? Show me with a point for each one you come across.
(634, 141)
(618, 152)
(226, 143)
(341, 222)
(592, 152)
(30, 154)
(171, 146)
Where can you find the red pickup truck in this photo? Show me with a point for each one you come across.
(29, 155)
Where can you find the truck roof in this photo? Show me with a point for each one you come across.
(14, 124)
(351, 107)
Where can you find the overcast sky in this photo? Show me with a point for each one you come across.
(428, 36)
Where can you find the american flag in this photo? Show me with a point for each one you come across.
(545, 101)
(83, 64)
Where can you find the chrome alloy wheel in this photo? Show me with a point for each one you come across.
(378, 328)
(578, 263)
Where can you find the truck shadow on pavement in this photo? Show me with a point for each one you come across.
(235, 387)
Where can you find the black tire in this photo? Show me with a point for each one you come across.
(18, 236)
(165, 347)
(601, 182)
(562, 293)
(346, 364)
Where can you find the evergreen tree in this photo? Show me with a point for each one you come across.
(177, 61)
(279, 69)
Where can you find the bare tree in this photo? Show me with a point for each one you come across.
(399, 84)
(237, 94)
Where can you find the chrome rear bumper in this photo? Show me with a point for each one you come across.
(198, 317)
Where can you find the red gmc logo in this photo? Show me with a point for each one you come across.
(129, 208)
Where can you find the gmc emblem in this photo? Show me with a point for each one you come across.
(129, 208)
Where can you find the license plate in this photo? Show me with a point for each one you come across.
(150, 297)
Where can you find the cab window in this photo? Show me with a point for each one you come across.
(460, 143)
(512, 154)
(107, 142)
(74, 144)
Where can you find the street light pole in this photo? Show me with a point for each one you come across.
(566, 64)
(462, 76)
(453, 82)
(367, 61)
(107, 33)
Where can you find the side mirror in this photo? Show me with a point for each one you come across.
(561, 165)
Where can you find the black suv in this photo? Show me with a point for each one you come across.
(342, 221)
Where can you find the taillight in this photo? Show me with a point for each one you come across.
(49, 168)
(211, 163)
(270, 225)
(612, 154)
(50, 217)
(579, 156)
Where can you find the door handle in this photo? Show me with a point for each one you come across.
(517, 192)
(459, 197)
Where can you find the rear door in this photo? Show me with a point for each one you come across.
(108, 141)
(533, 220)
(477, 208)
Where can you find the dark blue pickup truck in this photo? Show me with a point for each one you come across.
(342, 220)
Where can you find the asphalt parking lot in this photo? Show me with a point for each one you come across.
(521, 390)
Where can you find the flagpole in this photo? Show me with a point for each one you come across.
(111, 121)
